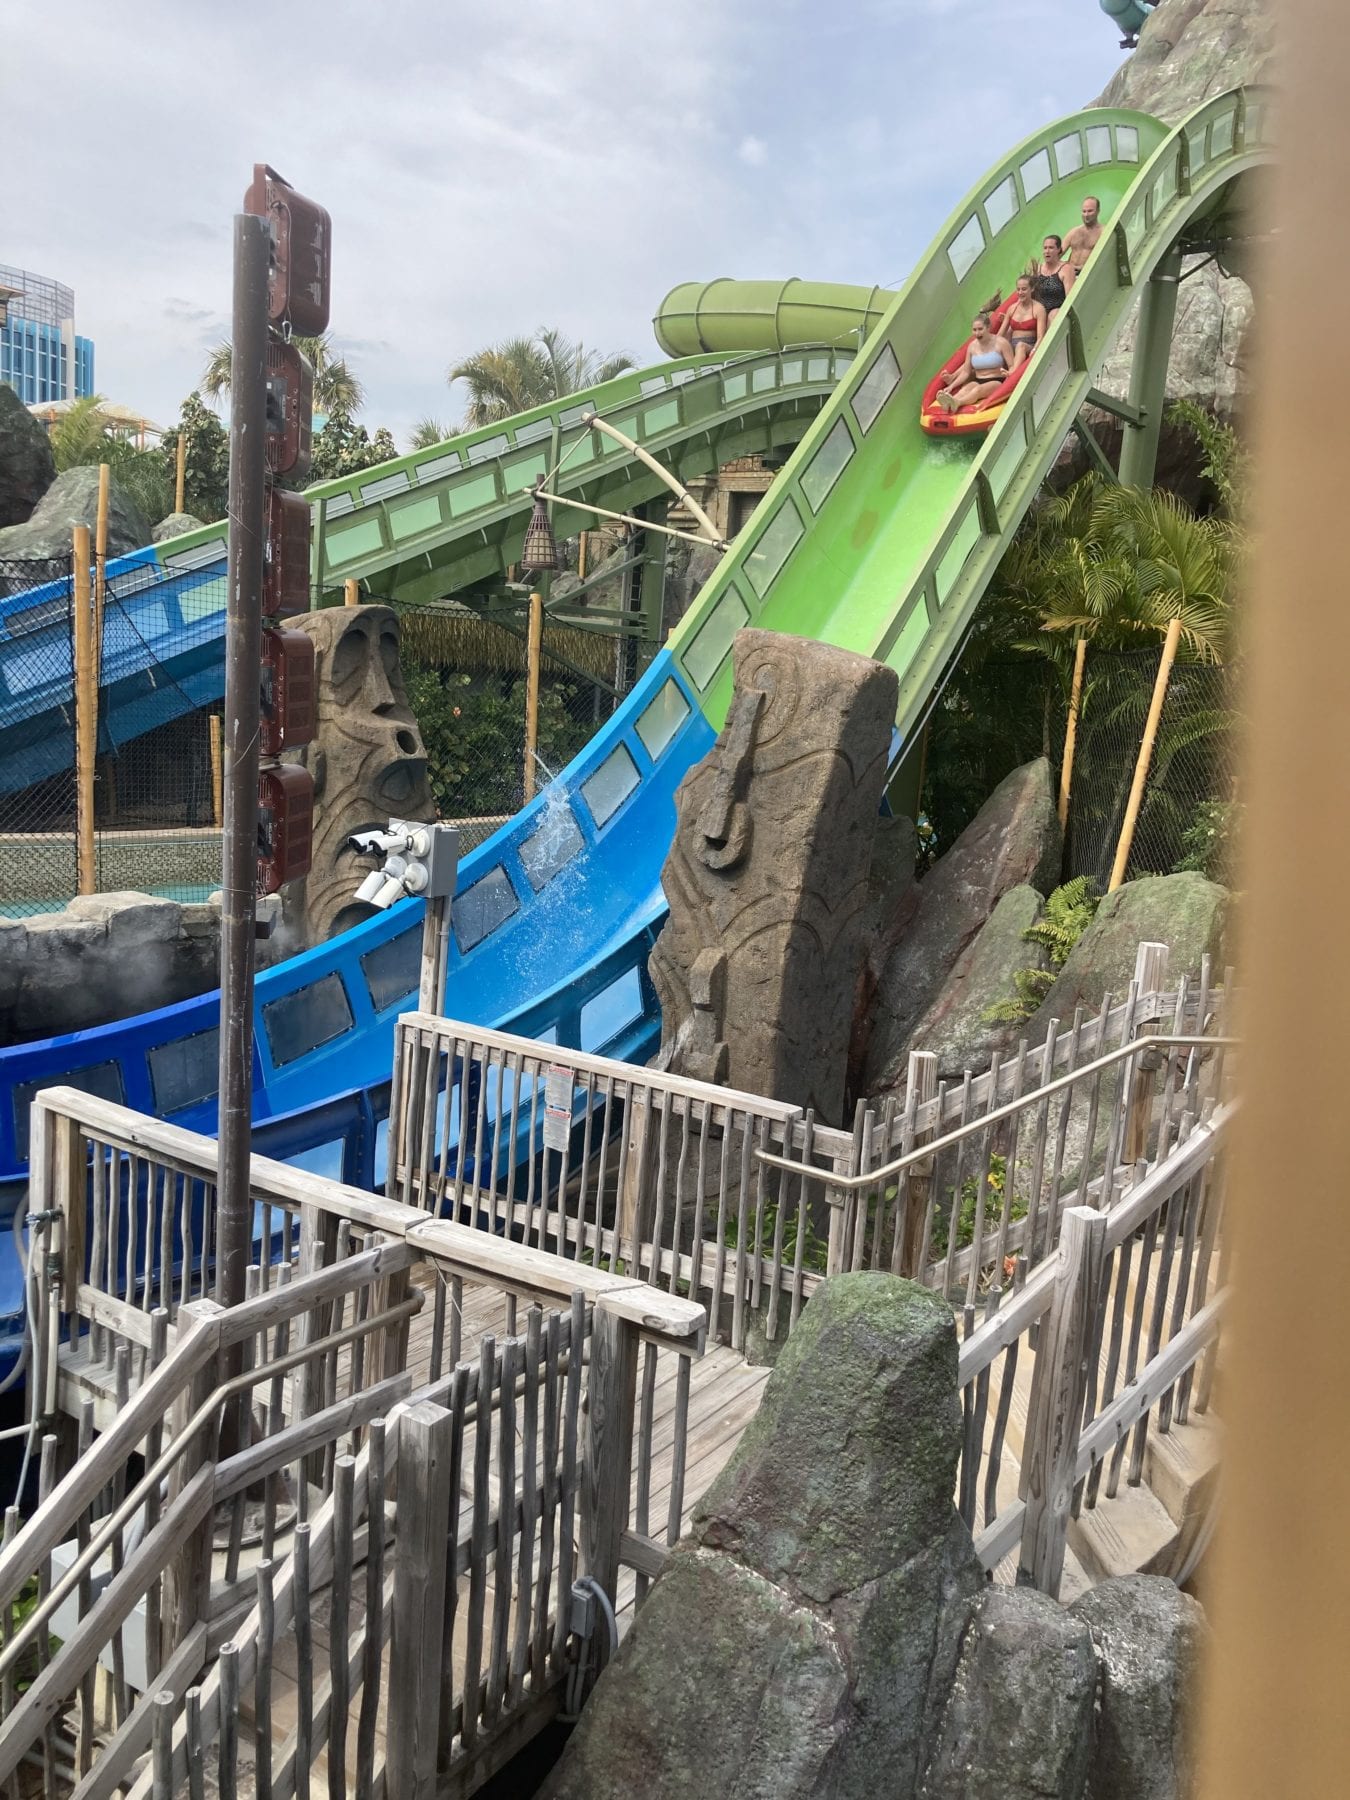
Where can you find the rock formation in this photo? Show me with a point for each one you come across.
(1186, 912)
(802, 1639)
(367, 758)
(26, 466)
(175, 525)
(767, 878)
(72, 499)
(1014, 840)
(826, 1631)
(1189, 50)
(102, 957)
(956, 1027)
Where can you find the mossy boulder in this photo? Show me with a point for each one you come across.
(27, 468)
(1014, 840)
(72, 500)
(1186, 912)
(957, 1028)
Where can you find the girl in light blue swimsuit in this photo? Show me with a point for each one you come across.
(988, 360)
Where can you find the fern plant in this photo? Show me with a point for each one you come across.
(1068, 913)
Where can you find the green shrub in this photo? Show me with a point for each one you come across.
(1068, 913)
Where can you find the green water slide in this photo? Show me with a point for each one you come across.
(880, 539)
(451, 516)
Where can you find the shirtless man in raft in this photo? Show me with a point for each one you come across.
(1082, 241)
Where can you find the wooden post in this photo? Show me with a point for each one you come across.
(425, 1454)
(217, 772)
(100, 565)
(583, 555)
(1150, 977)
(532, 690)
(180, 475)
(1058, 1388)
(608, 1464)
(351, 593)
(86, 715)
(921, 1083)
(1071, 732)
(187, 1600)
(1141, 767)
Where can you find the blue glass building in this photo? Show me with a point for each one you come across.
(40, 356)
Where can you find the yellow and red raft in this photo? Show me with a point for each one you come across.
(938, 422)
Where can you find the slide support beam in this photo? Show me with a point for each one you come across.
(1148, 376)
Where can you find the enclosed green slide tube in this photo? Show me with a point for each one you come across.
(740, 317)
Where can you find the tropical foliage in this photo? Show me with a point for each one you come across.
(524, 372)
(336, 387)
(85, 436)
(206, 475)
(343, 447)
(429, 431)
(1068, 913)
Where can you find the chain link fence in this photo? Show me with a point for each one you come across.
(1190, 811)
(1000, 713)
(467, 677)
(154, 776)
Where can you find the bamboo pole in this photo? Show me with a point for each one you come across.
(351, 593)
(180, 474)
(217, 771)
(1141, 767)
(532, 690)
(583, 555)
(86, 714)
(1071, 732)
(100, 566)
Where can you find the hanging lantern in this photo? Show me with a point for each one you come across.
(540, 549)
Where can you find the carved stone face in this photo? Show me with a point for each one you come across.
(368, 759)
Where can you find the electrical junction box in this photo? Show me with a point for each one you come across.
(286, 553)
(290, 407)
(285, 825)
(288, 698)
(301, 277)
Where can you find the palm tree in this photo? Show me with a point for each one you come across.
(524, 372)
(428, 432)
(336, 388)
(1116, 565)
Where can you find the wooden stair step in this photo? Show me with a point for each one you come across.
(1181, 1466)
(1131, 1534)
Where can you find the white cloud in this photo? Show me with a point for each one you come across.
(489, 169)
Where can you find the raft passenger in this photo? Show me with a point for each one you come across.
(1024, 322)
(1083, 240)
(987, 362)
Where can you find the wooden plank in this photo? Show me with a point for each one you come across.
(1061, 1375)
(49, 1692)
(425, 1457)
(609, 1445)
(529, 1272)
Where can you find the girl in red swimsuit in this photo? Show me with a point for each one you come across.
(1024, 322)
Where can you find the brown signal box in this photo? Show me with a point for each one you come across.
(286, 721)
(301, 276)
(286, 553)
(285, 825)
(290, 405)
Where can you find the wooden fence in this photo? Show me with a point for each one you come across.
(309, 1420)
(746, 1203)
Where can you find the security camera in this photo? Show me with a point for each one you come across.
(370, 887)
(392, 889)
(366, 843)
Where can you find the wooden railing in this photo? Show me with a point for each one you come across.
(1122, 1322)
(746, 1203)
(286, 1419)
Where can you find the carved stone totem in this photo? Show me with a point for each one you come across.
(367, 758)
(757, 965)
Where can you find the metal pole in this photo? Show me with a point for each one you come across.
(1148, 373)
(243, 658)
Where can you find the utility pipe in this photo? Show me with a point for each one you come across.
(603, 512)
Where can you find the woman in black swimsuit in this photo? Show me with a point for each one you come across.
(1050, 290)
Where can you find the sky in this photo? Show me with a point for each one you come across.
(492, 167)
